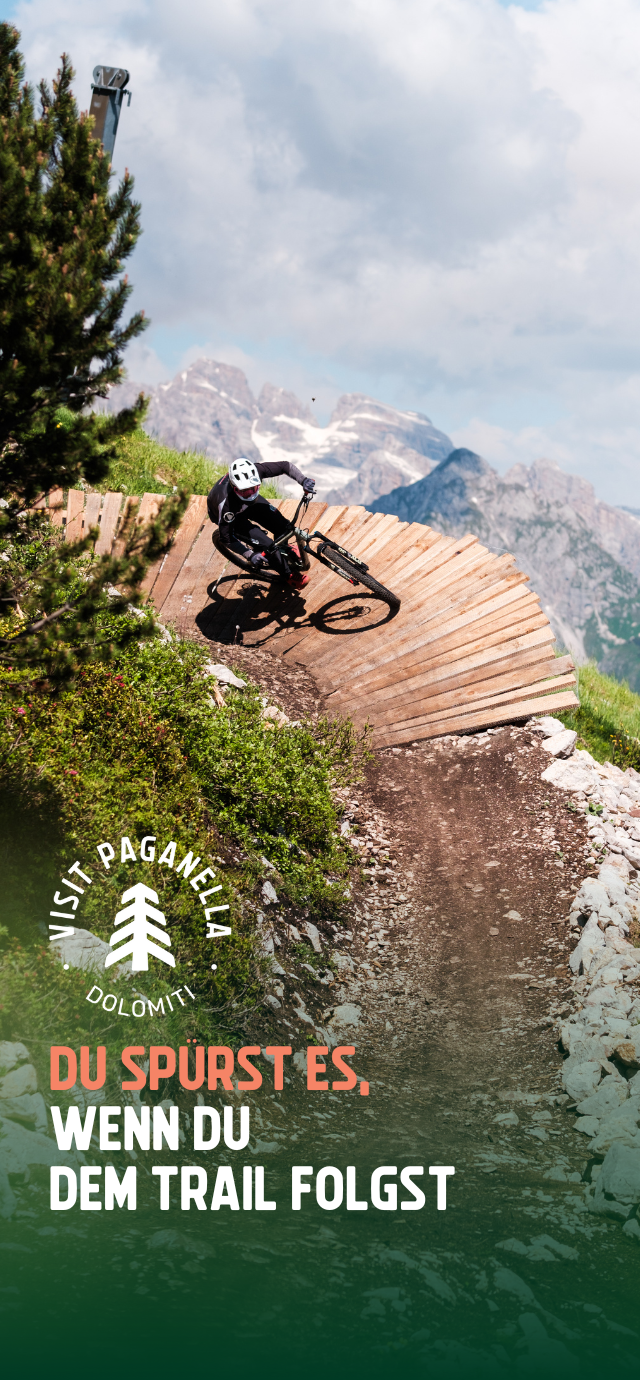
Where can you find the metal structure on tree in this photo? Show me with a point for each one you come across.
(108, 89)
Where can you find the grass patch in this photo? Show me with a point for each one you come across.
(143, 465)
(608, 718)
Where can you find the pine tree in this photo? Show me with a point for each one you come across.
(64, 236)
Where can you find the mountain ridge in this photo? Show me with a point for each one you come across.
(366, 449)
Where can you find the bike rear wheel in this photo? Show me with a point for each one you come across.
(350, 568)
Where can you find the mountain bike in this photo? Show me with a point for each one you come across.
(295, 560)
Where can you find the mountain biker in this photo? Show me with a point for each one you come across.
(236, 505)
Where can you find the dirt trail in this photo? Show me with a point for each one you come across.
(471, 833)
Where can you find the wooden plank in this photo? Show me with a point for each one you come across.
(499, 650)
(482, 614)
(150, 505)
(129, 510)
(528, 665)
(314, 514)
(56, 508)
(183, 540)
(108, 523)
(445, 680)
(499, 656)
(333, 514)
(342, 659)
(532, 661)
(440, 552)
(91, 515)
(489, 591)
(445, 707)
(75, 506)
(457, 644)
(546, 686)
(415, 628)
(469, 643)
(414, 731)
(149, 508)
(191, 574)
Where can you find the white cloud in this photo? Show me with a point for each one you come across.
(440, 194)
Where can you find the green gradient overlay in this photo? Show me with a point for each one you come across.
(371, 1292)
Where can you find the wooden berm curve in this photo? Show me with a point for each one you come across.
(469, 647)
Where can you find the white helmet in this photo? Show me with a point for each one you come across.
(244, 478)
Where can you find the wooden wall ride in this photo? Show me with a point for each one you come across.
(469, 648)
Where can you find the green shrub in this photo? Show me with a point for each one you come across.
(139, 748)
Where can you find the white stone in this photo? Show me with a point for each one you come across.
(631, 852)
(29, 1107)
(631, 1228)
(570, 776)
(549, 726)
(589, 1125)
(273, 1002)
(628, 1050)
(275, 715)
(507, 1119)
(20, 1080)
(581, 1079)
(561, 744)
(342, 961)
(592, 896)
(346, 1015)
(313, 934)
(20, 1148)
(622, 1125)
(620, 1173)
(611, 879)
(269, 894)
(10, 1055)
(223, 673)
(611, 1093)
(84, 950)
(591, 942)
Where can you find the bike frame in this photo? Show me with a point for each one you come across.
(306, 537)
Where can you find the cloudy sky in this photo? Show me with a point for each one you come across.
(436, 202)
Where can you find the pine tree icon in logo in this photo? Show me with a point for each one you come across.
(140, 945)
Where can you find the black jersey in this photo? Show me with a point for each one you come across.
(224, 505)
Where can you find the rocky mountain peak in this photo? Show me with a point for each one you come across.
(278, 402)
(366, 449)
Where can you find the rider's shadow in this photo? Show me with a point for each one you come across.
(258, 610)
(351, 614)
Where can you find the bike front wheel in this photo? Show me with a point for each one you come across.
(356, 573)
